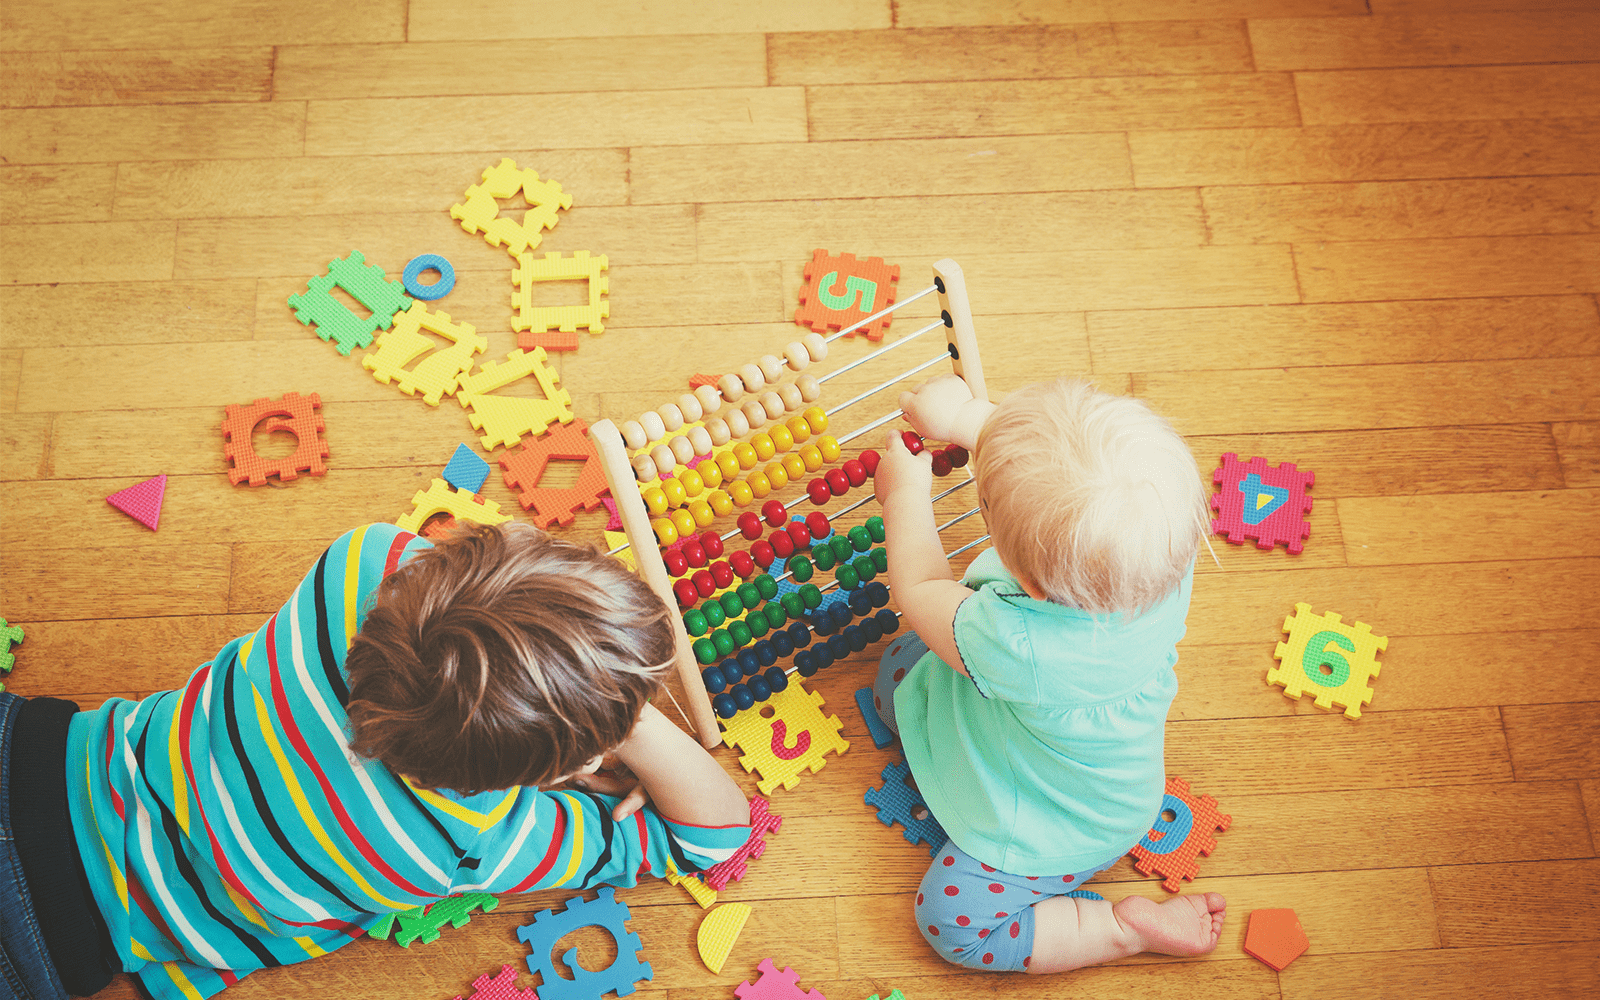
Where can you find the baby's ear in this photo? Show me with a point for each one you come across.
(1031, 586)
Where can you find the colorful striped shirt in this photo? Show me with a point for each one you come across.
(227, 827)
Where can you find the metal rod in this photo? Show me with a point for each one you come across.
(936, 359)
(880, 352)
(883, 312)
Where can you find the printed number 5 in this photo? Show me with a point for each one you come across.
(853, 286)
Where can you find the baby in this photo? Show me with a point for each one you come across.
(1032, 700)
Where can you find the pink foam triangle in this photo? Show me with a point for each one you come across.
(142, 501)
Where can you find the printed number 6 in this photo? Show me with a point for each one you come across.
(1318, 655)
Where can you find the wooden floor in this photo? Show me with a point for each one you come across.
(1359, 236)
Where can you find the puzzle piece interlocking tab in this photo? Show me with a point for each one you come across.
(842, 290)
(332, 319)
(537, 322)
(294, 413)
(792, 741)
(1332, 661)
(525, 467)
(896, 802)
(504, 419)
(439, 498)
(480, 209)
(775, 985)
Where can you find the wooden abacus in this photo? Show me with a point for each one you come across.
(656, 478)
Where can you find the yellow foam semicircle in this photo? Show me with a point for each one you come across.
(718, 931)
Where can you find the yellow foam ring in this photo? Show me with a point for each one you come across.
(718, 931)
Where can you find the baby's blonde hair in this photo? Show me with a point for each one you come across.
(1093, 496)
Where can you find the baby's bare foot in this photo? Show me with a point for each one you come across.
(1186, 925)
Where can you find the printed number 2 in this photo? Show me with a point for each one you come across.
(853, 286)
(1318, 655)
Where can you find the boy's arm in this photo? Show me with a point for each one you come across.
(683, 780)
(944, 409)
(919, 572)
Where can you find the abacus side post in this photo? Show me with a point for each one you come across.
(647, 559)
(960, 334)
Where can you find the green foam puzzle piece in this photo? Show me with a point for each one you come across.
(423, 923)
(367, 284)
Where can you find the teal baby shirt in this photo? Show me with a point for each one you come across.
(1049, 759)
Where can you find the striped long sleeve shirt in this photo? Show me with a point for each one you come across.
(227, 827)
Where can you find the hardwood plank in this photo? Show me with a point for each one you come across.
(509, 65)
(1328, 550)
(149, 76)
(866, 169)
(1234, 757)
(1441, 394)
(77, 252)
(264, 574)
(1454, 39)
(105, 655)
(1224, 981)
(1532, 903)
(282, 247)
(1422, 672)
(876, 937)
(1469, 526)
(1591, 806)
(1448, 94)
(1358, 333)
(107, 24)
(43, 584)
(926, 13)
(1511, 973)
(152, 132)
(900, 228)
(1017, 53)
(1402, 210)
(1554, 742)
(432, 20)
(448, 124)
(77, 192)
(10, 379)
(1393, 151)
(1579, 447)
(1022, 107)
(1447, 6)
(1454, 268)
(350, 185)
(25, 445)
(148, 312)
(1400, 601)
(1404, 461)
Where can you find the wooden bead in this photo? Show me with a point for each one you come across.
(739, 491)
(709, 398)
(720, 502)
(653, 426)
(709, 473)
(682, 450)
(745, 454)
(690, 407)
(731, 388)
(789, 393)
(675, 493)
(633, 435)
(810, 388)
(776, 474)
(764, 445)
(754, 413)
(795, 356)
(684, 522)
(771, 367)
(773, 404)
(693, 485)
(794, 465)
(738, 424)
(666, 534)
(829, 446)
(760, 485)
(752, 378)
(663, 457)
(799, 428)
(644, 468)
(700, 440)
(655, 499)
(728, 465)
(782, 438)
(815, 345)
(671, 416)
(817, 419)
(702, 513)
(717, 429)
(812, 456)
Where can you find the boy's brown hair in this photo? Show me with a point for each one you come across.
(504, 657)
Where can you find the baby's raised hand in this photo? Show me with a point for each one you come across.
(901, 473)
(934, 407)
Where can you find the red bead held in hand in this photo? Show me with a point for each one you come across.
(958, 456)
(870, 459)
(912, 441)
(774, 513)
(941, 464)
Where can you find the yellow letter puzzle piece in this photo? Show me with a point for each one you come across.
(481, 210)
(504, 419)
(791, 741)
(440, 498)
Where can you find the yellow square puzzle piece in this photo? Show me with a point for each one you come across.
(792, 740)
(504, 419)
(1329, 659)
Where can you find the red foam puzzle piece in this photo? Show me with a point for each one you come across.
(696, 381)
(1275, 937)
(1284, 483)
(775, 985)
(843, 290)
(142, 501)
(525, 467)
(301, 417)
(762, 822)
(502, 986)
(1194, 818)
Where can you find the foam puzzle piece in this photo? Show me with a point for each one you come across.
(142, 501)
(301, 419)
(1261, 501)
(10, 635)
(548, 927)
(897, 802)
(775, 985)
(423, 923)
(439, 498)
(1332, 661)
(480, 208)
(718, 932)
(1085, 894)
(411, 277)
(501, 986)
(696, 381)
(525, 467)
(504, 419)
(793, 741)
(333, 320)
(466, 471)
(1172, 847)
(697, 890)
(1275, 937)
(842, 290)
(896, 995)
(881, 734)
(538, 322)
(438, 373)
(732, 869)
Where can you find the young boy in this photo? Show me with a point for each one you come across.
(1034, 726)
(396, 733)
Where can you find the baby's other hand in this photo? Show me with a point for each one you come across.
(901, 472)
(934, 407)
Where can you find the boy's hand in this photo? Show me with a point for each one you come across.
(623, 786)
(902, 472)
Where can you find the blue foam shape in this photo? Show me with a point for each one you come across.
(466, 470)
(548, 927)
(1086, 894)
(881, 734)
(411, 277)
(897, 803)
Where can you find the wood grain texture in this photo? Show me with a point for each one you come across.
(432, 20)
(1448, 94)
(1397, 530)
(1458, 268)
(1591, 805)
(148, 312)
(1454, 39)
(165, 24)
(920, 13)
(1579, 447)
(1528, 903)
(152, 132)
(1513, 973)
(175, 76)
(1554, 742)
(73, 252)
(73, 192)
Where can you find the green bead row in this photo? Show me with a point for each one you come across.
(772, 615)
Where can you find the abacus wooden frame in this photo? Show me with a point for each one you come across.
(963, 344)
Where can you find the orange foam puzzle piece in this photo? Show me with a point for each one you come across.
(299, 416)
(550, 505)
(1173, 847)
(1275, 937)
(842, 290)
